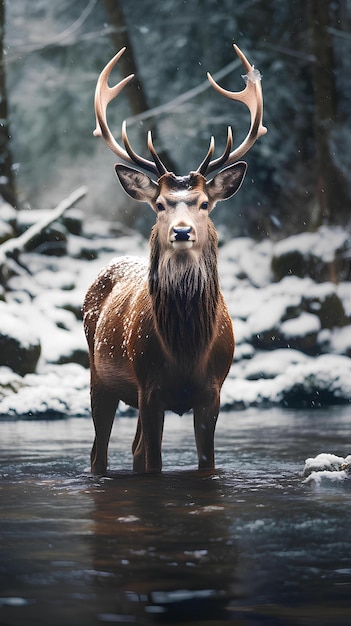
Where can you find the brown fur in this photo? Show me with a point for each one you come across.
(160, 336)
(185, 297)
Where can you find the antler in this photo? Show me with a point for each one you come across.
(251, 96)
(103, 96)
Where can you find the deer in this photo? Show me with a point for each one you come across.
(159, 332)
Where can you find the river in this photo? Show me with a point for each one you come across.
(248, 544)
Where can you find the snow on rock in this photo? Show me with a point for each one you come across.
(301, 332)
(305, 324)
(337, 340)
(60, 391)
(265, 365)
(327, 468)
(270, 314)
(248, 260)
(19, 343)
(10, 382)
(322, 462)
(289, 313)
(312, 254)
(321, 381)
(58, 333)
(343, 290)
(13, 324)
(308, 383)
(322, 243)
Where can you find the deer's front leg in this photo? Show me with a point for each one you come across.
(148, 439)
(205, 419)
(103, 408)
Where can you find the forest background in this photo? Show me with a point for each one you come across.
(298, 173)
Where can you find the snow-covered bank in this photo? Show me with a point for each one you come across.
(293, 335)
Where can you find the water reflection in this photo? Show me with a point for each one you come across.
(167, 542)
(249, 544)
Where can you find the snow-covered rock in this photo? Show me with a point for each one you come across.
(327, 468)
(303, 382)
(312, 254)
(19, 343)
(60, 391)
(290, 313)
(336, 340)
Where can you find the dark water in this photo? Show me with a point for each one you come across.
(249, 544)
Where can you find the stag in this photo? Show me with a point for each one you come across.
(160, 335)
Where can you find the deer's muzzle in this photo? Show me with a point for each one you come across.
(182, 237)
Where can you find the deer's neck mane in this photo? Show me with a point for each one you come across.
(184, 292)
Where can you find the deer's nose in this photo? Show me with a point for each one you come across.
(182, 233)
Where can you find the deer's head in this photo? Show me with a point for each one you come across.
(182, 203)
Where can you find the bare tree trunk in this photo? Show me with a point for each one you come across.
(7, 184)
(332, 190)
(120, 38)
(135, 92)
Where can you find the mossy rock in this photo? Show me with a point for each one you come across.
(20, 357)
(323, 255)
(268, 340)
(299, 396)
(274, 339)
(73, 221)
(76, 356)
(330, 310)
(307, 344)
(294, 263)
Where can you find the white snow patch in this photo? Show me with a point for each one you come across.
(343, 290)
(267, 364)
(269, 315)
(10, 382)
(62, 390)
(326, 476)
(247, 259)
(241, 331)
(327, 373)
(322, 243)
(14, 324)
(305, 324)
(327, 468)
(336, 340)
(323, 461)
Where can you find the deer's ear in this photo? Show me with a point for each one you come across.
(137, 184)
(227, 182)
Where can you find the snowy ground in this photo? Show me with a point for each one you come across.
(293, 335)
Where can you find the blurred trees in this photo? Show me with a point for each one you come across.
(298, 173)
(7, 185)
(332, 193)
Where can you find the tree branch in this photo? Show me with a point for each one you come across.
(12, 246)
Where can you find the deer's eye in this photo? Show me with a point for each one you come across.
(160, 206)
(204, 206)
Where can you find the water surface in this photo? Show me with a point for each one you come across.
(248, 544)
